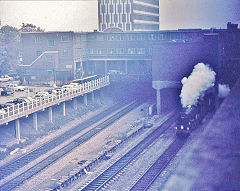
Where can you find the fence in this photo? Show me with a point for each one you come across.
(26, 108)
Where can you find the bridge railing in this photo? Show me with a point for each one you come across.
(39, 103)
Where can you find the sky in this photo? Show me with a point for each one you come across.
(81, 15)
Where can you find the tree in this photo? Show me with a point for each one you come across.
(9, 48)
(26, 27)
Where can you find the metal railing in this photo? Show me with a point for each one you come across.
(24, 109)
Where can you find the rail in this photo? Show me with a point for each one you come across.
(106, 176)
(13, 166)
(24, 109)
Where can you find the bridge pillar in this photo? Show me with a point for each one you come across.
(158, 101)
(50, 116)
(64, 108)
(35, 121)
(105, 67)
(75, 103)
(126, 66)
(92, 96)
(101, 95)
(85, 99)
(17, 129)
(158, 86)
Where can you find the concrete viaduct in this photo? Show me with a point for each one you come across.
(15, 112)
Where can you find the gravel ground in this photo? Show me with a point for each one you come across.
(41, 140)
(124, 149)
(96, 144)
(159, 183)
(128, 176)
(32, 138)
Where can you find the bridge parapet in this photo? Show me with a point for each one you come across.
(24, 109)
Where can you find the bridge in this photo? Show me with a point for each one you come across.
(15, 112)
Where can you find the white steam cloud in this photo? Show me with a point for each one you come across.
(201, 78)
(223, 90)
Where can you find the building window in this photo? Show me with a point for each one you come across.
(140, 50)
(49, 58)
(124, 18)
(111, 50)
(65, 38)
(38, 53)
(115, 18)
(140, 37)
(128, 8)
(103, 26)
(131, 51)
(50, 42)
(111, 8)
(103, 8)
(100, 51)
(119, 8)
(150, 51)
(160, 36)
(119, 50)
(110, 37)
(128, 27)
(152, 37)
(90, 51)
(65, 53)
(107, 18)
(132, 37)
(38, 39)
(49, 72)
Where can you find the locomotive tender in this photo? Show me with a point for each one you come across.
(192, 115)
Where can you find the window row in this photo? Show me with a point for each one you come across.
(118, 51)
(140, 36)
(51, 42)
(109, 8)
(50, 57)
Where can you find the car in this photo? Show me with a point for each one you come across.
(68, 87)
(75, 85)
(147, 124)
(5, 91)
(2, 111)
(52, 91)
(15, 101)
(15, 87)
(5, 78)
(27, 99)
(3, 106)
(42, 94)
(59, 90)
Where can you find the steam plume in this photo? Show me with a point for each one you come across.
(201, 78)
(223, 90)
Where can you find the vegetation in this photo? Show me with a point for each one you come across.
(26, 27)
(10, 46)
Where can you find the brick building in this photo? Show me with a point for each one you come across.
(68, 55)
(47, 56)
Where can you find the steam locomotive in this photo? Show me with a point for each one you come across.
(192, 115)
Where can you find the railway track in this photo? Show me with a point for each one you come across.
(9, 168)
(99, 182)
(158, 167)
